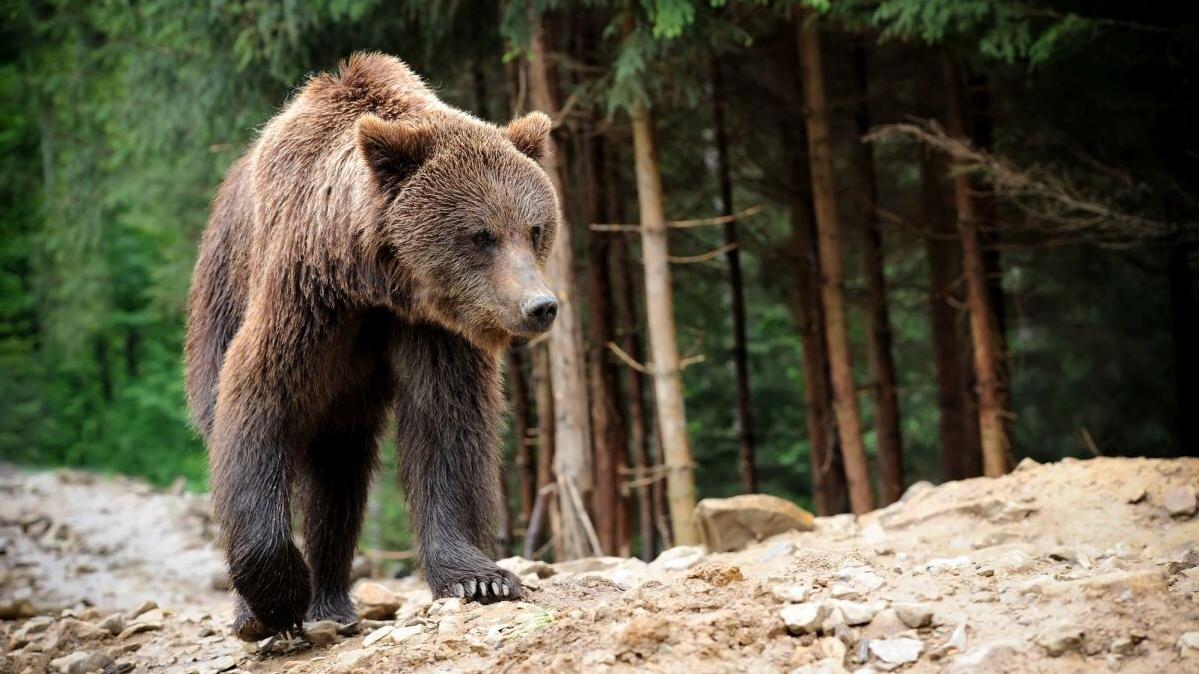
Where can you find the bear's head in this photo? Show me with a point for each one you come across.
(469, 216)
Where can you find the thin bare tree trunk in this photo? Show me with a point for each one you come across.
(829, 490)
(526, 468)
(882, 363)
(659, 303)
(572, 441)
(629, 338)
(543, 391)
(608, 433)
(987, 348)
(828, 227)
(745, 425)
(958, 420)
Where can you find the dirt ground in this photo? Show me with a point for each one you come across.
(1078, 566)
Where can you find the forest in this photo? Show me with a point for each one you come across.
(818, 249)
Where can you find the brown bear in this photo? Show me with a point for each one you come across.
(373, 252)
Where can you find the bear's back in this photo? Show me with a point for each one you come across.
(307, 179)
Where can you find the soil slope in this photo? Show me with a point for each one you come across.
(1078, 566)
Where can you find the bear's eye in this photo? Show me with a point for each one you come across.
(535, 235)
(483, 238)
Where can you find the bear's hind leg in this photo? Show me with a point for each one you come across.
(339, 473)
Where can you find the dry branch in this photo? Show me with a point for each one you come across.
(681, 224)
(1051, 201)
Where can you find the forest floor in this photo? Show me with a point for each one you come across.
(1078, 566)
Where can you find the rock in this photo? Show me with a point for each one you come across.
(833, 648)
(114, 624)
(957, 639)
(898, 651)
(886, 623)
(1013, 561)
(915, 490)
(15, 608)
(28, 631)
(322, 632)
(857, 613)
(78, 630)
(144, 607)
(993, 658)
(804, 618)
(677, 558)
(379, 634)
(138, 628)
(854, 582)
(352, 658)
(1062, 640)
(1180, 501)
(81, 662)
(792, 593)
(1027, 463)
(834, 621)
(1132, 493)
(727, 524)
(1123, 646)
(451, 624)
(523, 567)
(376, 602)
(914, 615)
(1188, 644)
(401, 634)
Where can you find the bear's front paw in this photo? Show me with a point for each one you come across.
(274, 591)
(484, 586)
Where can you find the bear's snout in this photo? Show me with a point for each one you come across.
(539, 312)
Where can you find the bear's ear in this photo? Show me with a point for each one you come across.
(531, 134)
(393, 150)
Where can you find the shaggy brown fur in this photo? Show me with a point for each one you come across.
(372, 253)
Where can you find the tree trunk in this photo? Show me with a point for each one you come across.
(526, 468)
(543, 391)
(829, 490)
(882, 363)
(745, 426)
(958, 421)
(984, 336)
(629, 339)
(607, 426)
(659, 303)
(572, 441)
(828, 227)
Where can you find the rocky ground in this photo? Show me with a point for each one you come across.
(1078, 566)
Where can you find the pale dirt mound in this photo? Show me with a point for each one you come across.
(1078, 566)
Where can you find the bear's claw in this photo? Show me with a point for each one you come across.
(484, 590)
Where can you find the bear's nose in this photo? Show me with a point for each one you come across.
(540, 311)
